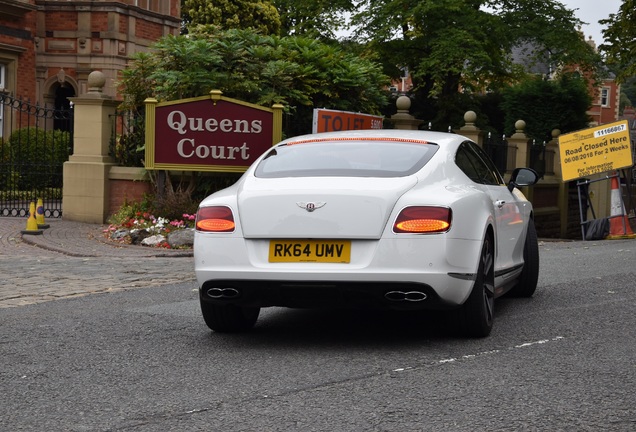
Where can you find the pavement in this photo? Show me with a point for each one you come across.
(71, 259)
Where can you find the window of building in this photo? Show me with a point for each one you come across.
(160, 6)
(605, 96)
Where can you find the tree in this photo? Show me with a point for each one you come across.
(300, 73)
(624, 102)
(260, 15)
(546, 105)
(316, 19)
(619, 45)
(454, 46)
(628, 88)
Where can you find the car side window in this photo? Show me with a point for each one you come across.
(492, 168)
(464, 162)
(471, 163)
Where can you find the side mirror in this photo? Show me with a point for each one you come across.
(522, 177)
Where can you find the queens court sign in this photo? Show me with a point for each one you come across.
(209, 133)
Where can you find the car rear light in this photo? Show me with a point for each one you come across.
(215, 219)
(423, 220)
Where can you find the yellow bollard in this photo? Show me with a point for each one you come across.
(39, 215)
(32, 223)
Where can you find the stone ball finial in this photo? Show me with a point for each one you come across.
(403, 103)
(96, 81)
(470, 117)
(520, 125)
(469, 121)
(556, 133)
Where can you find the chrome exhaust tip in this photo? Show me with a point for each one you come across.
(406, 296)
(223, 293)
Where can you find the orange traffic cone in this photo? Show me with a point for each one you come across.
(619, 223)
(32, 223)
(39, 214)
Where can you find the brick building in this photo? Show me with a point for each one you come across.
(605, 102)
(605, 94)
(49, 47)
(606, 98)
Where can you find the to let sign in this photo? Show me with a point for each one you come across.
(209, 133)
(595, 150)
(332, 121)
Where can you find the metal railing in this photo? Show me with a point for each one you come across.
(127, 139)
(538, 157)
(496, 146)
(35, 141)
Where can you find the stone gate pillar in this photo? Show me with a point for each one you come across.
(518, 155)
(469, 130)
(85, 194)
(403, 119)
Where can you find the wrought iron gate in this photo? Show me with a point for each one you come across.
(497, 148)
(35, 142)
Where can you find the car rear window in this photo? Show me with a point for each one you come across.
(343, 158)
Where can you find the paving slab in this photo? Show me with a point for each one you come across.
(72, 258)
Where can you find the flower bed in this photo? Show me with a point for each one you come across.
(147, 230)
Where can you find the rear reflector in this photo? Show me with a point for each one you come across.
(215, 219)
(421, 220)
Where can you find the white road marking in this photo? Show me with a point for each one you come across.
(483, 353)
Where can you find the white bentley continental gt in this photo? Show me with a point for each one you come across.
(403, 220)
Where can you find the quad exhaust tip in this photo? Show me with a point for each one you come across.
(406, 296)
(223, 293)
(395, 296)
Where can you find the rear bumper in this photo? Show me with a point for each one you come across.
(326, 294)
(439, 268)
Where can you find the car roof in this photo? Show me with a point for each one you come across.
(440, 138)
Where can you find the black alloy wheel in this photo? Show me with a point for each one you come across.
(476, 316)
(527, 284)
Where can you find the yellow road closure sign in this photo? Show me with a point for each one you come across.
(595, 150)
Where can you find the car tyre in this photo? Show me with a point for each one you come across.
(527, 284)
(229, 318)
(476, 315)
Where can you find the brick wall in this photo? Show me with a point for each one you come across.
(61, 21)
(122, 191)
(175, 8)
(545, 201)
(148, 30)
(123, 24)
(18, 35)
(26, 76)
(99, 22)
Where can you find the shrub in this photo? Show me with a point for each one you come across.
(546, 105)
(128, 148)
(36, 157)
(129, 210)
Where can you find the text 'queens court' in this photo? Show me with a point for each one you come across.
(210, 134)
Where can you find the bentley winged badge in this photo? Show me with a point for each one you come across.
(310, 206)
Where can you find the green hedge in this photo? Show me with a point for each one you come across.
(32, 158)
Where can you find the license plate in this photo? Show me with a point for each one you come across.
(322, 251)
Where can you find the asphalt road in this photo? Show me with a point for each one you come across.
(143, 360)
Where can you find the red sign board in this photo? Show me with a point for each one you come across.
(332, 120)
(210, 133)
